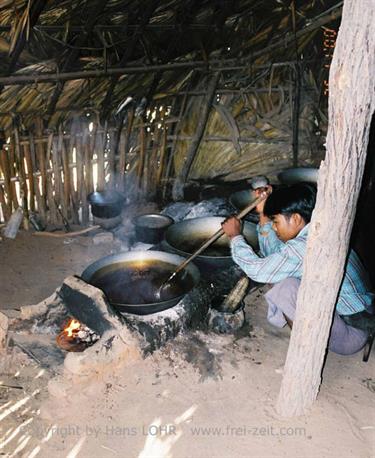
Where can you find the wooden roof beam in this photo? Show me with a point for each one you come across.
(46, 77)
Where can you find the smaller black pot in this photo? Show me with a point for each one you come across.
(224, 322)
(150, 228)
(106, 204)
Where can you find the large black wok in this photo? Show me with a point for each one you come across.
(187, 236)
(131, 280)
(242, 199)
(298, 174)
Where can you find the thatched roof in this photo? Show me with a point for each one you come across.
(145, 48)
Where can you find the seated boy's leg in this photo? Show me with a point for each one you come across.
(344, 339)
(282, 299)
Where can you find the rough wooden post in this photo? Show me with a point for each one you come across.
(351, 106)
(178, 187)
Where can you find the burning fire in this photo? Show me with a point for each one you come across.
(73, 326)
(76, 336)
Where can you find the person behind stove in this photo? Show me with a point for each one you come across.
(282, 233)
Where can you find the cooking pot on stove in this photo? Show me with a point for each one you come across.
(131, 280)
(106, 204)
(150, 228)
(187, 236)
(241, 199)
(298, 175)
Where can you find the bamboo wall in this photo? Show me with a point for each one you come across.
(53, 172)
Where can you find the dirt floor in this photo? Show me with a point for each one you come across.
(33, 267)
(203, 395)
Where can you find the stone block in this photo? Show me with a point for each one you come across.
(89, 305)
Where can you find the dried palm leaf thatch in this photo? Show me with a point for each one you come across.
(247, 26)
(265, 141)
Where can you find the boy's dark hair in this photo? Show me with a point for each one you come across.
(297, 198)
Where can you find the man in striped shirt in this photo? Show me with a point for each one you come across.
(282, 234)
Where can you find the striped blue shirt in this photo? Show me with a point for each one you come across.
(279, 260)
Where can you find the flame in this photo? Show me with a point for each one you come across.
(72, 326)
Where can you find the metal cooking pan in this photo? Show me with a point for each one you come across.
(298, 175)
(242, 199)
(188, 235)
(106, 204)
(130, 280)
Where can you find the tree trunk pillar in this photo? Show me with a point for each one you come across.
(351, 106)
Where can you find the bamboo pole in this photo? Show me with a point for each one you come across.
(35, 179)
(141, 158)
(58, 188)
(74, 195)
(12, 171)
(52, 183)
(101, 142)
(91, 141)
(163, 151)
(4, 205)
(153, 161)
(41, 156)
(8, 185)
(21, 171)
(112, 159)
(66, 173)
(121, 166)
(29, 176)
(81, 183)
(124, 152)
(173, 148)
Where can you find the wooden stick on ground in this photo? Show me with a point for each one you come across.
(67, 234)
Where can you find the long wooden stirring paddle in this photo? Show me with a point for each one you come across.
(211, 240)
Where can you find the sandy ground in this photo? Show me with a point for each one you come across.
(33, 267)
(203, 395)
